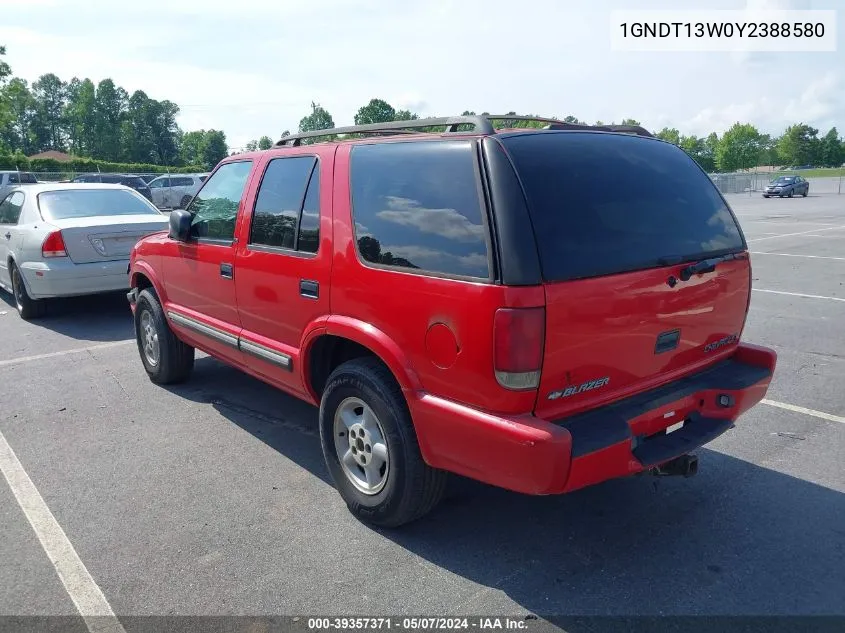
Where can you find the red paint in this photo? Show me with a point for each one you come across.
(437, 337)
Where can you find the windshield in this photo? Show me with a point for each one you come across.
(784, 180)
(607, 203)
(85, 203)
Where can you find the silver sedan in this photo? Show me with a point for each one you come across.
(64, 240)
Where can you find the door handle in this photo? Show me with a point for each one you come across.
(8, 235)
(309, 289)
(227, 271)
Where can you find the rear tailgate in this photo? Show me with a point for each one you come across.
(617, 218)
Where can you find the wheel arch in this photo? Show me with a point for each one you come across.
(339, 339)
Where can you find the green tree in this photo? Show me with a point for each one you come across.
(799, 145)
(50, 94)
(81, 117)
(376, 111)
(215, 148)
(573, 120)
(110, 104)
(251, 146)
(21, 106)
(832, 149)
(630, 122)
(192, 147)
(5, 115)
(739, 148)
(265, 142)
(138, 143)
(670, 134)
(699, 150)
(407, 115)
(319, 119)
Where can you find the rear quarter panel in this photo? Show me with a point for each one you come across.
(443, 327)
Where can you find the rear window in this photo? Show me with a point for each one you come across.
(86, 203)
(608, 203)
(416, 205)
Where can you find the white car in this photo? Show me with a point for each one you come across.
(65, 239)
(169, 191)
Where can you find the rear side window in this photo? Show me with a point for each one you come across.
(181, 181)
(417, 205)
(22, 178)
(10, 208)
(608, 203)
(287, 210)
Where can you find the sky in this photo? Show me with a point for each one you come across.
(253, 67)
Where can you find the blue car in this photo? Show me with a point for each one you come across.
(787, 186)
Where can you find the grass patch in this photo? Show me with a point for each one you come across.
(821, 172)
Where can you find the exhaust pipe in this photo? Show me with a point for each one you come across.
(684, 466)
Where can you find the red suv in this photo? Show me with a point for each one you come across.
(538, 309)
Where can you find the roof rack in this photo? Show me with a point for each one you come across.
(481, 125)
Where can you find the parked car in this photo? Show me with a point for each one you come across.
(788, 186)
(135, 182)
(11, 179)
(168, 192)
(63, 240)
(453, 304)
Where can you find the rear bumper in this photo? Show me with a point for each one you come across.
(534, 456)
(63, 278)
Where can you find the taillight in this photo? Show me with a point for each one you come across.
(518, 338)
(54, 245)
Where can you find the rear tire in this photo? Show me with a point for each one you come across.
(363, 403)
(166, 359)
(28, 308)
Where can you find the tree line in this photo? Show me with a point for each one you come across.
(106, 123)
(101, 121)
(742, 146)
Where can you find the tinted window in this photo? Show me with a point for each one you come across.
(215, 207)
(158, 183)
(181, 182)
(416, 205)
(84, 203)
(607, 203)
(10, 208)
(22, 178)
(309, 225)
(279, 202)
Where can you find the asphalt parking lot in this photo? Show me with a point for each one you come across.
(212, 497)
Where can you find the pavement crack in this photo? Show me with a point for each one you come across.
(269, 419)
(111, 374)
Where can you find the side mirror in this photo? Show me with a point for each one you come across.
(180, 225)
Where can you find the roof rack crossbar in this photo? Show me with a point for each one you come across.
(519, 117)
(481, 125)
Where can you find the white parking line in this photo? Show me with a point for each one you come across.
(78, 350)
(760, 239)
(86, 595)
(797, 294)
(794, 255)
(816, 414)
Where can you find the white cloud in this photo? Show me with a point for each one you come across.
(447, 223)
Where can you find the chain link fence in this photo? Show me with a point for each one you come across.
(68, 176)
(833, 182)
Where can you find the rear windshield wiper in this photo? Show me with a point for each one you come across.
(708, 265)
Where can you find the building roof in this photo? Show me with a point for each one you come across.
(60, 156)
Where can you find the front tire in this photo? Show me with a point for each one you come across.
(371, 448)
(806, 191)
(28, 308)
(791, 193)
(166, 359)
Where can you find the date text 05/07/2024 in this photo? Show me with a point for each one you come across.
(482, 623)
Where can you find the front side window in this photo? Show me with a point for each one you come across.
(416, 205)
(215, 207)
(158, 183)
(87, 203)
(285, 215)
(10, 208)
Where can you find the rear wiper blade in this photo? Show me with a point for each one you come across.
(708, 265)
